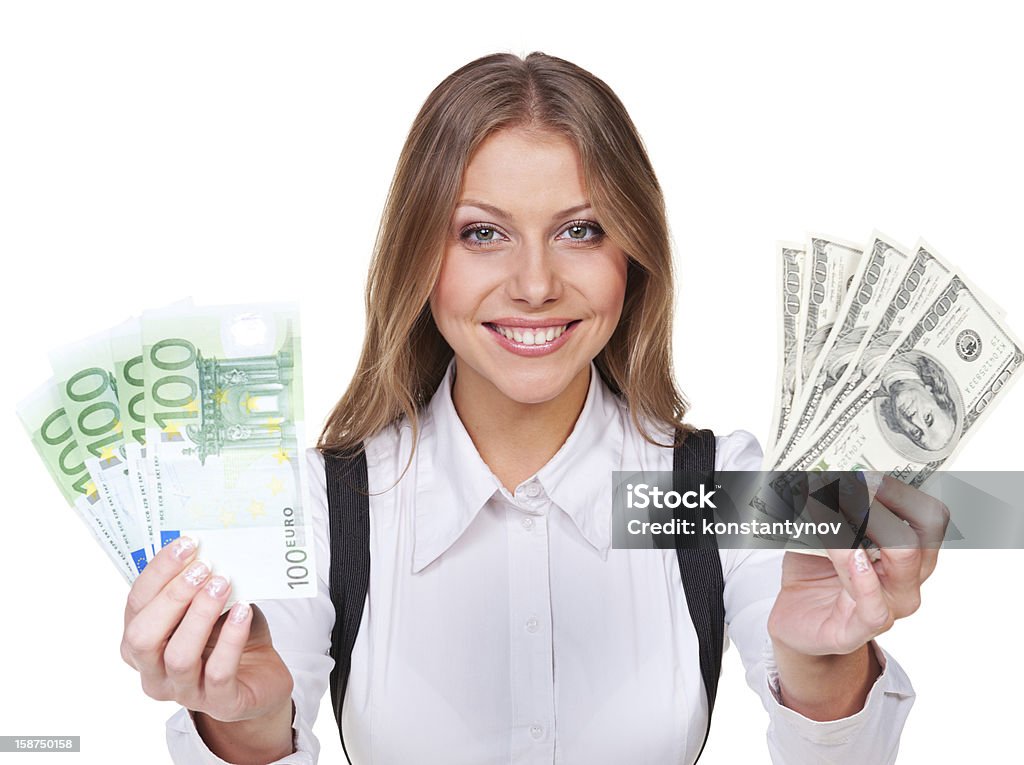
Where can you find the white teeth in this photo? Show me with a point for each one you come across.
(536, 336)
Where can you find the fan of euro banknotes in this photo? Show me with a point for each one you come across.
(186, 421)
(890, 358)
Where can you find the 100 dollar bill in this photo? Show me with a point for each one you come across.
(878, 274)
(932, 390)
(790, 276)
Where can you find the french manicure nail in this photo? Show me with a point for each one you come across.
(216, 586)
(239, 612)
(183, 547)
(196, 573)
(860, 561)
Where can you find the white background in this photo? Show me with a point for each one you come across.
(242, 151)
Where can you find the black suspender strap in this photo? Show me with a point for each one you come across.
(700, 565)
(349, 514)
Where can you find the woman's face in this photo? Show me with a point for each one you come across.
(530, 289)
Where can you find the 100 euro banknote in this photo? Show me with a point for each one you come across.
(223, 429)
(87, 387)
(46, 421)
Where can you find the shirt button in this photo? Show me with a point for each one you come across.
(536, 731)
(527, 523)
(533, 490)
(532, 624)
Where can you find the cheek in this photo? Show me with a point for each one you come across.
(445, 297)
(460, 290)
(608, 287)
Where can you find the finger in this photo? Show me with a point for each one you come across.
(838, 497)
(220, 675)
(898, 559)
(166, 564)
(927, 516)
(872, 519)
(841, 563)
(871, 607)
(146, 634)
(184, 651)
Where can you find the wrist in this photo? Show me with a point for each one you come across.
(257, 740)
(825, 687)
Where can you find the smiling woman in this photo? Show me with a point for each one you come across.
(517, 353)
(538, 195)
(522, 284)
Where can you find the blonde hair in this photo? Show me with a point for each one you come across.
(404, 356)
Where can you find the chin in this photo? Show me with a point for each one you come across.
(531, 388)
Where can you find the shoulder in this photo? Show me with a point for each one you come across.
(387, 454)
(735, 450)
(738, 450)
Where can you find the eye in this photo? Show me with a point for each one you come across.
(480, 234)
(582, 231)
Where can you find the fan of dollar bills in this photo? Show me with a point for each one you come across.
(890, 357)
(186, 421)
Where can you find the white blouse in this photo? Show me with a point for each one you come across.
(502, 628)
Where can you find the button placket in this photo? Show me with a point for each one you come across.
(531, 645)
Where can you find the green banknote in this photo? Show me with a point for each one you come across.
(86, 384)
(224, 422)
(47, 424)
(126, 353)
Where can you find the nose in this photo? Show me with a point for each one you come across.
(534, 278)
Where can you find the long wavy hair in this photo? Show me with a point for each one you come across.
(404, 356)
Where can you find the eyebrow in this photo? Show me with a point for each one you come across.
(508, 216)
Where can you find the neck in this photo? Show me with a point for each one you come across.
(516, 439)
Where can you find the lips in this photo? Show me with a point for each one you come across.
(532, 338)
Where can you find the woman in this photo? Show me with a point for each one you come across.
(517, 351)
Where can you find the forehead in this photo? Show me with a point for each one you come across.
(526, 170)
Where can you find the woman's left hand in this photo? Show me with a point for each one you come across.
(837, 604)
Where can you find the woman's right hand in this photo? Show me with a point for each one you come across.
(222, 665)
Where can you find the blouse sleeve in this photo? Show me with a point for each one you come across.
(301, 633)
(752, 582)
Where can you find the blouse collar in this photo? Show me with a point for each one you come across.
(453, 482)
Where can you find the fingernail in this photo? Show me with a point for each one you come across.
(216, 586)
(183, 547)
(196, 573)
(860, 561)
(239, 612)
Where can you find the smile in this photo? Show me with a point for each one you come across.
(532, 340)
